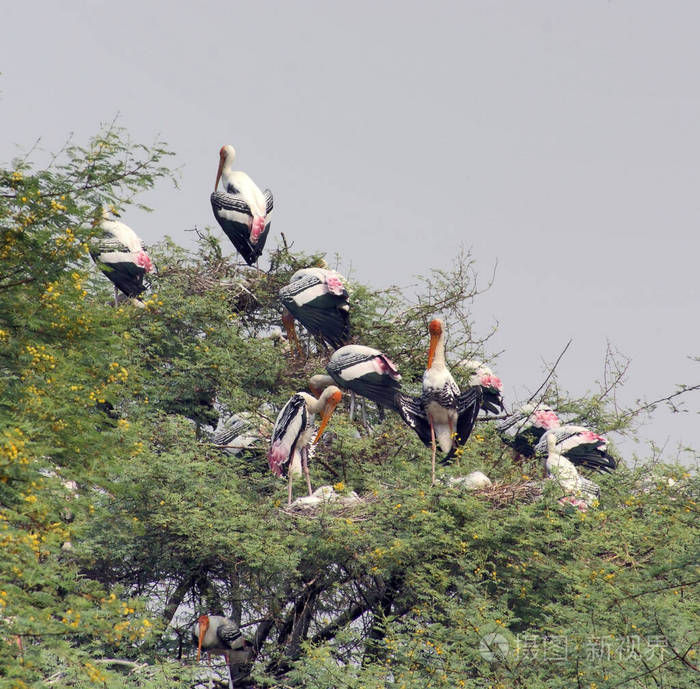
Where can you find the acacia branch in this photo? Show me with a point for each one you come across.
(652, 405)
(551, 373)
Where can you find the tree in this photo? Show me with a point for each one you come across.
(413, 587)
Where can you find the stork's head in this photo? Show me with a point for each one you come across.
(203, 622)
(227, 154)
(318, 383)
(329, 399)
(436, 330)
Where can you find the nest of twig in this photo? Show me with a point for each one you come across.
(502, 494)
(350, 511)
(219, 275)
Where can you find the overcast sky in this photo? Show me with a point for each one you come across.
(560, 139)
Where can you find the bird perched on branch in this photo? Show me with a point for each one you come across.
(293, 432)
(221, 635)
(491, 385)
(580, 446)
(525, 432)
(242, 210)
(362, 370)
(317, 298)
(120, 255)
(442, 415)
(523, 429)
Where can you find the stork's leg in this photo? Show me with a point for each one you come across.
(289, 489)
(352, 404)
(305, 464)
(454, 441)
(364, 413)
(228, 668)
(432, 439)
(116, 297)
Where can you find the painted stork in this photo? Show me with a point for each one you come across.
(120, 255)
(242, 210)
(491, 385)
(559, 468)
(221, 635)
(364, 371)
(442, 413)
(293, 432)
(317, 298)
(580, 446)
(235, 434)
(523, 429)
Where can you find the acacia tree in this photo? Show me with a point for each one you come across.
(405, 589)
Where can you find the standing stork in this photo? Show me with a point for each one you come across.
(580, 446)
(242, 210)
(558, 467)
(362, 370)
(221, 635)
(442, 413)
(293, 432)
(317, 298)
(120, 255)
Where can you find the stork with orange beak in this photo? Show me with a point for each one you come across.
(241, 209)
(293, 432)
(221, 635)
(442, 415)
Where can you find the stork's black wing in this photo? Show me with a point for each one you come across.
(468, 405)
(412, 412)
(330, 324)
(235, 218)
(126, 275)
(230, 635)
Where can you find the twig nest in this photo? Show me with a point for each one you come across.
(325, 495)
(477, 480)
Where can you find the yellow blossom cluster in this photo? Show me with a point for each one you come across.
(41, 359)
(12, 444)
(95, 674)
(118, 374)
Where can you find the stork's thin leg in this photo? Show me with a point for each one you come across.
(432, 438)
(289, 489)
(454, 440)
(352, 405)
(364, 413)
(228, 668)
(305, 464)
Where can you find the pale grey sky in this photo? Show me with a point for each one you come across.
(561, 139)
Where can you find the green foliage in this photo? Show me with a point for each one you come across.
(121, 521)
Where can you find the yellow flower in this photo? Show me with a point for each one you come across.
(338, 487)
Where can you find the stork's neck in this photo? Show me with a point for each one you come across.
(315, 406)
(439, 355)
